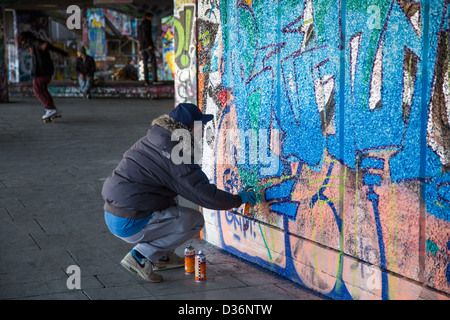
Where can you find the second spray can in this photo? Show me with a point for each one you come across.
(200, 267)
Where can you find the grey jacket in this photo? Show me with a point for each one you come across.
(146, 179)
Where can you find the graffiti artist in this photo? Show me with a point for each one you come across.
(140, 196)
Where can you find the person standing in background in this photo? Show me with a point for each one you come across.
(146, 46)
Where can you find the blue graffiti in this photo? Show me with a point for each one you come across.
(288, 76)
(346, 88)
(320, 196)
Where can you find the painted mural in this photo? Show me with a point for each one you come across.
(126, 25)
(337, 113)
(168, 52)
(185, 59)
(96, 33)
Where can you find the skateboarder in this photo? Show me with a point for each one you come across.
(42, 70)
(140, 205)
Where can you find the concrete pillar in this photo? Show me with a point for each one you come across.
(185, 79)
(3, 61)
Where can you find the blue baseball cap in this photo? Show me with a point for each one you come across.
(187, 113)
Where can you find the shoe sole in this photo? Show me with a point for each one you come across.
(162, 268)
(57, 114)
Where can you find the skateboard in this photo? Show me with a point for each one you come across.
(52, 118)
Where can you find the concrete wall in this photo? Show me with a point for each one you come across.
(345, 107)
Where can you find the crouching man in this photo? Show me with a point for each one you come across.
(139, 195)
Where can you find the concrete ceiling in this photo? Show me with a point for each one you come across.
(135, 8)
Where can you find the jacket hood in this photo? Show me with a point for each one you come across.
(160, 136)
(160, 133)
(168, 123)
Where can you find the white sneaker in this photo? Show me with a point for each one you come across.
(142, 269)
(49, 113)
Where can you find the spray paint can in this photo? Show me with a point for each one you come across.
(189, 259)
(249, 210)
(200, 267)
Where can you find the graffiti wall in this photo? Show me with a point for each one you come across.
(168, 52)
(96, 33)
(337, 113)
(126, 25)
(185, 59)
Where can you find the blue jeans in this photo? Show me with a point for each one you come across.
(146, 55)
(85, 84)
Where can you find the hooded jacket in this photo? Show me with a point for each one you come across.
(147, 180)
(42, 61)
(145, 34)
(86, 66)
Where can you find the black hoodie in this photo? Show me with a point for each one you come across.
(42, 62)
(145, 34)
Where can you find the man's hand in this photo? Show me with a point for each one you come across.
(249, 197)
